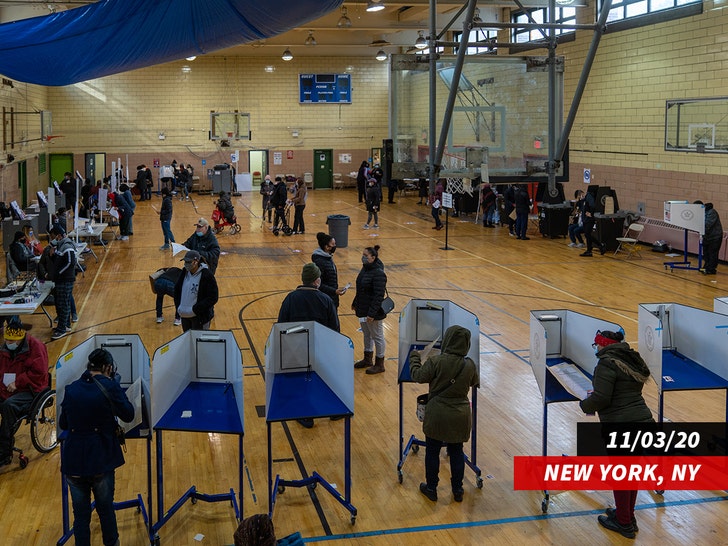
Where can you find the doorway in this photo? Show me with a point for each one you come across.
(95, 166)
(258, 161)
(323, 169)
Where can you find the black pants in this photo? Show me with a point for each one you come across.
(589, 233)
(710, 253)
(392, 191)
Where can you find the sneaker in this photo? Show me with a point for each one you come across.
(457, 495)
(572, 244)
(511, 234)
(376, 225)
(305, 423)
(74, 318)
(124, 238)
(160, 320)
(427, 492)
(178, 322)
(611, 523)
(365, 226)
(612, 512)
(164, 247)
(580, 245)
(57, 334)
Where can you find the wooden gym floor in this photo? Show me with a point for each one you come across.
(493, 275)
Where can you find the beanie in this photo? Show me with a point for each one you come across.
(310, 273)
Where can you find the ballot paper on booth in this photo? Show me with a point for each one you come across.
(572, 379)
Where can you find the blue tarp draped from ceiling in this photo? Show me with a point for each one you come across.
(115, 36)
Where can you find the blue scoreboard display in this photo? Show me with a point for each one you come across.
(325, 88)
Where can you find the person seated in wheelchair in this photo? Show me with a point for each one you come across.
(23, 374)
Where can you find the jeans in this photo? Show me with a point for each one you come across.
(10, 411)
(374, 214)
(521, 224)
(102, 486)
(64, 293)
(575, 231)
(298, 224)
(436, 216)
(488, 213)
(164, 287)
(432, 463)
(167, 231)
(374, 337)
(280, 216)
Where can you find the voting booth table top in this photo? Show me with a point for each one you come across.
(690, 217)
(720, 305)
(132, 363)
(562, 360)
(685, 348)
(421, 323)
(309, 373)
(198, 387)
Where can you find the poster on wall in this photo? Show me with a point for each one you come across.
(344, 158)
(277, 158)
(289, 154)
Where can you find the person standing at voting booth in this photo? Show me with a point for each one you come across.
(92, 449)
(195, 293)
(712, 239)
(23, 374)
(448, 417)
(618, 379)
(371, 287)
(203, 240)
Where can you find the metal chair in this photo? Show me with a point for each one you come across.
(308, 180)
(630, 242)
(338, 181)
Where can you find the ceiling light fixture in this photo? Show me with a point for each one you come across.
(421, 42)
(191, 58)
(310, 41)
(287, 55)
(186, 69)
(381, 55)
(373, 6)
(344, 21)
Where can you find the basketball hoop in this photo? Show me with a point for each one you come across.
(51, 137)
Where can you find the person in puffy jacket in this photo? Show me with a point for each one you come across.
(712, 239)
(371, 285)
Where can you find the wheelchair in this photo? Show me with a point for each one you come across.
(42, 419)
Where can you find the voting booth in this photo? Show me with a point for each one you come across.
(422, 325)
(690, 217)
(198, 387)
(309, 373)
(685, 348)
(563, 360)
(132, 364)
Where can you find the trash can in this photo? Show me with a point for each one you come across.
(339, 229)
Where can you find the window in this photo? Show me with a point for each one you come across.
(540, 15)
(629, 9)
(481, 41)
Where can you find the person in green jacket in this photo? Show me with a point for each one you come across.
(448, 417)
(618, 379)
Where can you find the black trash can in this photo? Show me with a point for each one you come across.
(339, 229)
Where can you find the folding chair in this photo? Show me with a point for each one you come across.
(630, 242)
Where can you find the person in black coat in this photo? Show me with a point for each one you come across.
(21, 253)
(203, 240)
(323, 257)
(165, 217)
(523, 207)
(509, 205)
(307, 302)
(712, 239)
(361, 179)
(91, 451)
(588, 210)
(195, 293)
(278, 202)
(371, 286)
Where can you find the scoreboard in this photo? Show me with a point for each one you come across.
(325, 88)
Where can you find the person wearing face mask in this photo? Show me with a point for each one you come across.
(195, 293)
(62, 272)
(91, 450)
(21, 253)
(371, 286)
(618, 379)
(23, 374)
(307, 302)
(203, 240)
(323, 257)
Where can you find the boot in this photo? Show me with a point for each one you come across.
(378, 365)
(366, 361)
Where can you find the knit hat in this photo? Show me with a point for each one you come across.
(310, 273)
(14, 331)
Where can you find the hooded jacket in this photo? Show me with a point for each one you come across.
(329, 276)
(448, 417)
(618, 379)
(713, 227)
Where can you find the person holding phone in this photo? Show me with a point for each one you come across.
(92, 451)
(323, 257)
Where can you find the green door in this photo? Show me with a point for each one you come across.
(323, 169)
(60, 164)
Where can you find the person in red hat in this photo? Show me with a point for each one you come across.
(23, 374)
(618, 379)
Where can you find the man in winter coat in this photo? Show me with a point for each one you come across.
(448, 417)
(195, 293)
(203, 240)
(712, 239)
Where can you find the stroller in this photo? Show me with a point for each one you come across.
(285, 221)
(224, 215)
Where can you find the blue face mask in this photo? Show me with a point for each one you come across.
(11, 346)
(54, 242)
(199, 233)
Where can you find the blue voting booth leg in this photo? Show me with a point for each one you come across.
(137, 503)
(413, 443)
(192, 494)
(685, 264)
(279, 485)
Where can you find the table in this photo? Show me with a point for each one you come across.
(34, 292)
(84, 232)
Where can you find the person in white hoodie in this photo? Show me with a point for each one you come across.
(195, 293)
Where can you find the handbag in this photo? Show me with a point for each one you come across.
(423, 399)
(387, 303)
